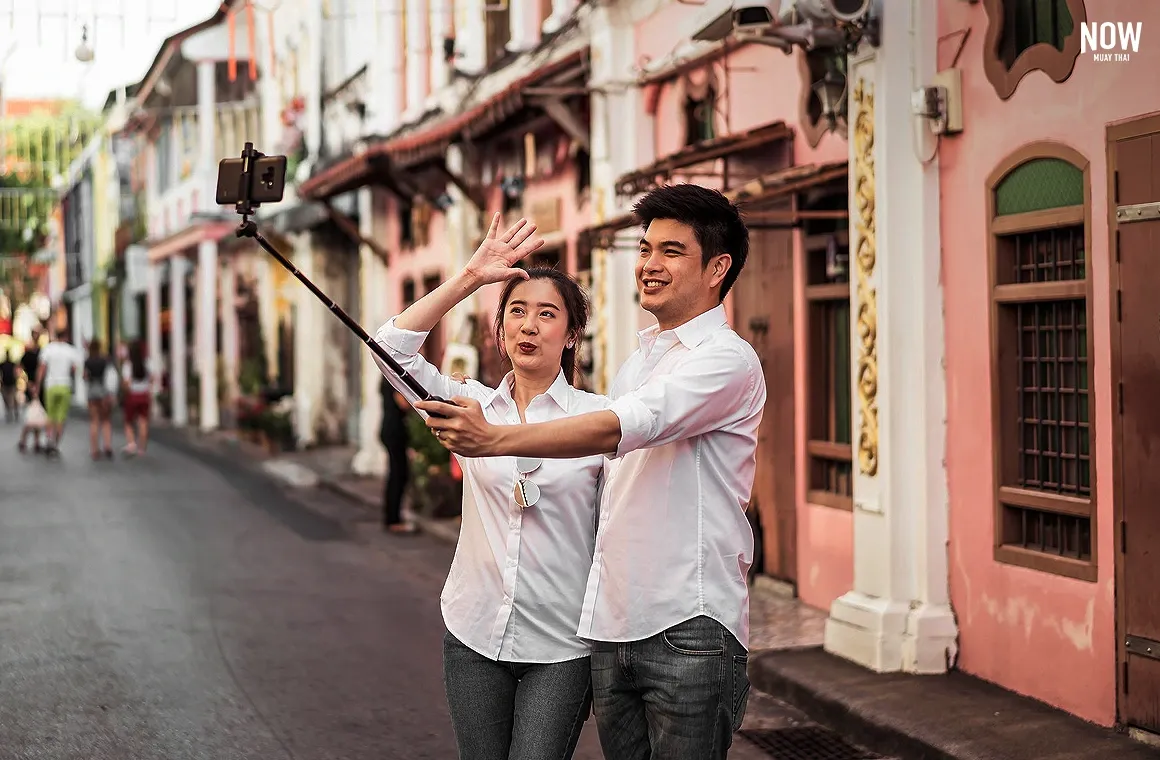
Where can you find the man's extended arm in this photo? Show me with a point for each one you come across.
(713, 389)
(584, 435)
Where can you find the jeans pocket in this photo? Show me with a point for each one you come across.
(699, 636)
(740, 688)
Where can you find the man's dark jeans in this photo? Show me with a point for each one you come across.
(515, 711)
(678, 695)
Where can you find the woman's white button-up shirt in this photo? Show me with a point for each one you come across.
(516, 585)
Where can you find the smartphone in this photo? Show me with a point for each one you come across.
(267, 180)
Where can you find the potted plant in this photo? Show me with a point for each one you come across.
(436, 492)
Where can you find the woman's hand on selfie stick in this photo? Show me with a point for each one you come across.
(494, 261)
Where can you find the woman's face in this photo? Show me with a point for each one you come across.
(535, 328)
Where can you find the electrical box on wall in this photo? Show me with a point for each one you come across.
(951, 83)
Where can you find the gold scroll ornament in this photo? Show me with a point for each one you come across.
(867, 298)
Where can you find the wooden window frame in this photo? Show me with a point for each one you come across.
(1057, 64)
(828, 450)
(1001, 295)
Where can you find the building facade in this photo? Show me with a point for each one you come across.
(1050, 350)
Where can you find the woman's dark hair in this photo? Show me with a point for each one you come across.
(137, 361)
(575, 303)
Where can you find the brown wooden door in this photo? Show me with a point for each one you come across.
(763, 315)
(1137, 163)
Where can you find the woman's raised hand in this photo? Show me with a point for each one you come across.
(497, 255)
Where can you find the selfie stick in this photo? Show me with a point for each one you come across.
(248, 228)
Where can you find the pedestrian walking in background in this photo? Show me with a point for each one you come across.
(100, 398)
(137, 389)
(59, 363)
(33, 391)
(8, 377)
(517, 676)
(395, 439)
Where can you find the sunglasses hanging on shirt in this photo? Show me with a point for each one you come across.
(527, 493)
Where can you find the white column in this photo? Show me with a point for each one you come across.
(561, 12)
(440, 20)
(153, 322)
(308, 341)
(371, 457)
(267, 310)
(462, 230)
(418, 43)
(470, 35)
(387, 69)
(523, 21)
(207, 350)
(228, 314)
(206, 128)
(616, 115)
(177, 345)
(898, 615)
(312, 134)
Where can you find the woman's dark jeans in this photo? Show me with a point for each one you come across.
(513, 710)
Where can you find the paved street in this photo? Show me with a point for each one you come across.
(177, 606)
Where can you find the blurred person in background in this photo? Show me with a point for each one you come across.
(137, 387)
(8, 372)
(59, 362)
(100, 397)
(30, 368)
(394, 437)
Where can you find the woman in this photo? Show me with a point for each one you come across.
(137, 385)
(100, 402)
(516, 674)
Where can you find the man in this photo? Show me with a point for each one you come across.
(58, 361)
(667, 606)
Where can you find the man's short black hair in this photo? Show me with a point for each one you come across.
(716, 222)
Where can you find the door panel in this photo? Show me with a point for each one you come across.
(1139, 282)
(763, 315)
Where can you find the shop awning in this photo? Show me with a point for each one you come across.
(661, 171)
(189, 237)
(430, 141)
(765, 190)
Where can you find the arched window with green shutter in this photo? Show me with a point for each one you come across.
(1039, 184)
(1041, 333)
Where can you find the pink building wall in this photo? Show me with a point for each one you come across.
(1043, 635)
(415, 262)
(764, 85)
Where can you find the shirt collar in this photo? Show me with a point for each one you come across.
(559, 391)
(691, 333)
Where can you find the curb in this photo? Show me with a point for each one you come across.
(952, 716)
(838, 714)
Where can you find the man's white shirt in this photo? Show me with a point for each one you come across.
(60, 360)
(674, 541)
(516, 585)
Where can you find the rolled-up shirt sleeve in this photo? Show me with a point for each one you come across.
(403, 346)
(714, 388)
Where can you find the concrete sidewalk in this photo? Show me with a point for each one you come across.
(946, 717)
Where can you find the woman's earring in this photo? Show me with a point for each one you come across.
(570, 344)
